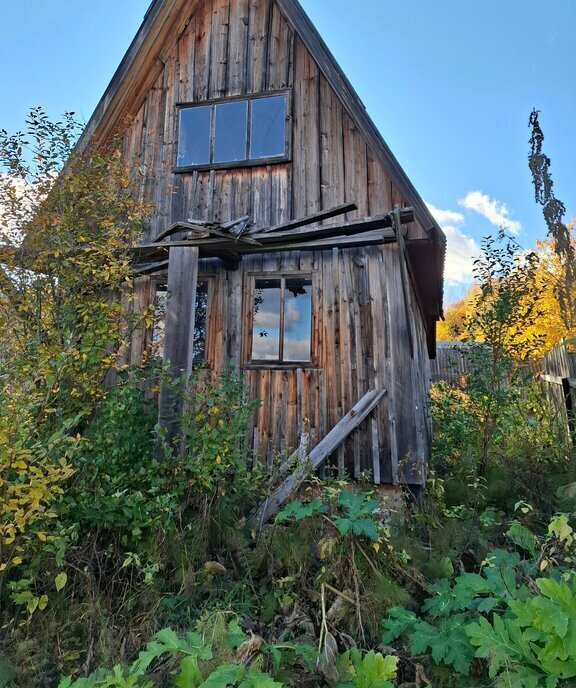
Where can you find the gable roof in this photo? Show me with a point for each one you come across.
(143, 62)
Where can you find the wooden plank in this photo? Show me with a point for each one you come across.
(553, 379)
(152, 268)
(375, 452)
(261, 197)
(356, 168)
(219, 48)
(366, 224)
(379, 187)
(311, 150)
(186, 57)
(335, 211)
(392, 334)
(332, 148)
(299, 108)
(279, 52)
(381, 464)
(202, 49)
(345, 327)
(237, 47)
(281, 209)
(257, 45)
(316, 457)
(404, 277)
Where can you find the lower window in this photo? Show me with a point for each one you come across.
(200, 320)
(282, 320)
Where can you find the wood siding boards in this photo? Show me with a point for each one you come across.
(228, 48)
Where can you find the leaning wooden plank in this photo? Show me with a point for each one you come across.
(316, 457)
(297, 457)
(309, 219)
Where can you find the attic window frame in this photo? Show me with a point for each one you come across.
(232, 164)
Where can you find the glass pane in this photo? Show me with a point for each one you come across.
(268, 130)
(201, 312)
(231, 131)
(297, 319)
(266, 330)
(200, 320)
(159, 322)
(194, 136)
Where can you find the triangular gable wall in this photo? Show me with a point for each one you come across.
(217, 48)
(203, 49)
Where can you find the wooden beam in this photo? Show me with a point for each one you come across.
(292, 236)
(204, 226)
(397, 226)
(374, 238)
(309, 219)
(316, 458)
(338, 229)
(178, 335)
(151, 268)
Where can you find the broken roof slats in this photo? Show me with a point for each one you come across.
(219, 243)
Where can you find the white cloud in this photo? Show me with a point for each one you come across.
(15, 207)
(460, 255)
(493, 210)
(461, 248)
(446, 217)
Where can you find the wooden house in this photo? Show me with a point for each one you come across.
(287, 241)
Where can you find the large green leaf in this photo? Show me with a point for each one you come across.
(397, 622)
(224, 676)
(494, 643)
(447, 642)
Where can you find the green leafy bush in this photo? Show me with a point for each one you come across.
(524, 626)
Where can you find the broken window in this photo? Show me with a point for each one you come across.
(282, 320)
(200, 321)
(232, 131)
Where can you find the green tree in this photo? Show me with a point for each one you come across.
(66, 221)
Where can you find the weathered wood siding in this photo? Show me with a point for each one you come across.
(236, 47)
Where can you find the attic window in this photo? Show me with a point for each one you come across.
(282, 320)
(232, 132)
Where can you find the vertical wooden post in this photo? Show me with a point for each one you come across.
(178, 335)
(397, 225)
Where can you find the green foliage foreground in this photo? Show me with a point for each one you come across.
(128, 562)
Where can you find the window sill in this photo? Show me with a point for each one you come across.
(280, 366)
(237, 164)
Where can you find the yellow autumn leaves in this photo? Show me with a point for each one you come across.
(545, 332)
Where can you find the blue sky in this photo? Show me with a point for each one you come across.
(450, 84)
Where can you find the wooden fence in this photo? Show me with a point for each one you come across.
(557, 371)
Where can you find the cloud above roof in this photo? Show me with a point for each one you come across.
(494, 211)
